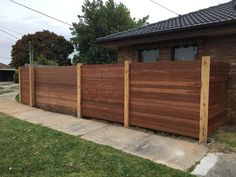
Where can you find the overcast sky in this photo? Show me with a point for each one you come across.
(25, 21)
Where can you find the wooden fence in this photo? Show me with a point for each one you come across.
(56, 89)
(103, 92)
(186, 97)
(218, 95)
(24, 86)
(166, 96)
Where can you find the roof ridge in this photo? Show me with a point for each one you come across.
(211, 7)
(204, 13)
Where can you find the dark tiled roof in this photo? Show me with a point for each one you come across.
(212, 15)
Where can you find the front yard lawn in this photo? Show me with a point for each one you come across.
(33, 150)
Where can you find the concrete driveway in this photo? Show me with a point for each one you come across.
(175, 153)
(217, 165)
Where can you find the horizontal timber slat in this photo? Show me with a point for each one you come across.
(103, 92)
(25, 86)
(55, 89)
(165, 96)
(218, 94)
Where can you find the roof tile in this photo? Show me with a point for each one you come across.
(216, 14)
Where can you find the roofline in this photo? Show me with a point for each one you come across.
(6, 69)
(213, 24)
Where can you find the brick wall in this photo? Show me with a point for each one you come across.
(165, 53)
(130, 53)
(127, 53)
(219, 48)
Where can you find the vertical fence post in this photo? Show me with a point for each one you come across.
(126, 93)
(204, 99)
(31, 85)
(79, 73)
(19, 79)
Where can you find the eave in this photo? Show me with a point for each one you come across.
(214, 29)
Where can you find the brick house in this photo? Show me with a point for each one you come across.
(207, 32)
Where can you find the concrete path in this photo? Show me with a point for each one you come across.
(174, 153)
(217, 165)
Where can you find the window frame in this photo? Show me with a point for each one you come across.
(140, 54)
(173, 52)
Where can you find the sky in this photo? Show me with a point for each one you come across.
(24, 21)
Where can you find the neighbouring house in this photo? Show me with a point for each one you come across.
(207, 32)
(7, 73)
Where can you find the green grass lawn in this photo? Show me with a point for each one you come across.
(33, 150)
(224, 139)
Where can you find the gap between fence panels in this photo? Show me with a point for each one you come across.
(149, 95)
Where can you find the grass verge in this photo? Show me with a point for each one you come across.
(224, 139)
(33, 150)
(6, 83)
(14, 87)
(5, 91)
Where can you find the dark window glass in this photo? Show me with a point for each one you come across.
(150, 55)
(185, 53)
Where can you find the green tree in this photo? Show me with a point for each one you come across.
(41, 60)
(100, 19)
(50, 45)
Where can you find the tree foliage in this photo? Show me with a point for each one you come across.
(41, 60)
(100, 19)
(50, 45)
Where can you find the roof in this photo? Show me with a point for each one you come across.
(219, 14)
(8, 69)
(3, 66)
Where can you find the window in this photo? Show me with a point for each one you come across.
(185, 53)
(149, 55)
